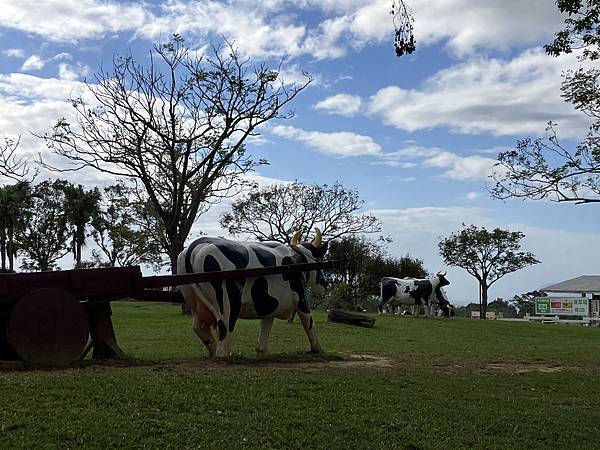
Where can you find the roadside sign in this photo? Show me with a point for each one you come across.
(562, 306)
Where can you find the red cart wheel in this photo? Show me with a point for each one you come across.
(48, 326)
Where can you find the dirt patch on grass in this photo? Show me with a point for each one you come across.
(354, 361)
(525, 368)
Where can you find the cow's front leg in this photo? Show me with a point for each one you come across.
(222, 350)
(263, 337)
(309, 328)
(205, 334)
(427, 309)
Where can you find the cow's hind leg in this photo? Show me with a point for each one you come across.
(263, 337)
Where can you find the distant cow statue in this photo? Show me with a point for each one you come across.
(217, 305)
(427, 293)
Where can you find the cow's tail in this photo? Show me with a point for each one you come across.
(221, 327)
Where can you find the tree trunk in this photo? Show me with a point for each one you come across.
(176, 247)
(484, 301)
(3, 248)
(10, 248)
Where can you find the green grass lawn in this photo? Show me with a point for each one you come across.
(407, 383)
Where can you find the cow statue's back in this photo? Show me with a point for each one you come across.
(216, 306)
(426, 292)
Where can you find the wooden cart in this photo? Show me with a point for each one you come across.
(48, 317)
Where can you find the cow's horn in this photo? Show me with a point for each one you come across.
(318, 240)
(296, 238)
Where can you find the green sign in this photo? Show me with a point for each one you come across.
(561, 306)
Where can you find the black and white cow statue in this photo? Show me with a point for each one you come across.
(427, 293)
(217, 305)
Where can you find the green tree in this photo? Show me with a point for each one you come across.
(275, 212)
(80, 207)
(353, 254)
(546, 168)
(486, 255)
(176, 126)
(43, 238)
(361, 263)
(501, 306)
(525, 303)
(14, 200)
(116, 232)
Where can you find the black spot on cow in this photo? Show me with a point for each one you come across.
(235, 302)
(264, 304)
(212, 265)
(265, 257)
(388, 290)
(298, 287)
(222, 330)
(234, 252)
(317, 252)
(441, 298)
(272, 244)
(297, 281)
(297, 258)
(310, 325)
(188, 255)
(421, 292)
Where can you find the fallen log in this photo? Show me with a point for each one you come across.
(340, 316)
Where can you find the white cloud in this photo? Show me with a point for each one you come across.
(516, 97)
(71, 20)
(294, 75)
(28, 88)
(72, 72)
(472, 195)
(255, 33)
(343, 104)
(457, 167)
(14, 53)
(471, 24)
(340, 143)
(34, 62)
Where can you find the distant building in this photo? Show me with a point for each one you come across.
(587, 286)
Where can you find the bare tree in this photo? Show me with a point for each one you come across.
(274, 213)
(117, 233)
(11, 165)
(176, 126)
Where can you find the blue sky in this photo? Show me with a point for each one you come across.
(416, 136)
